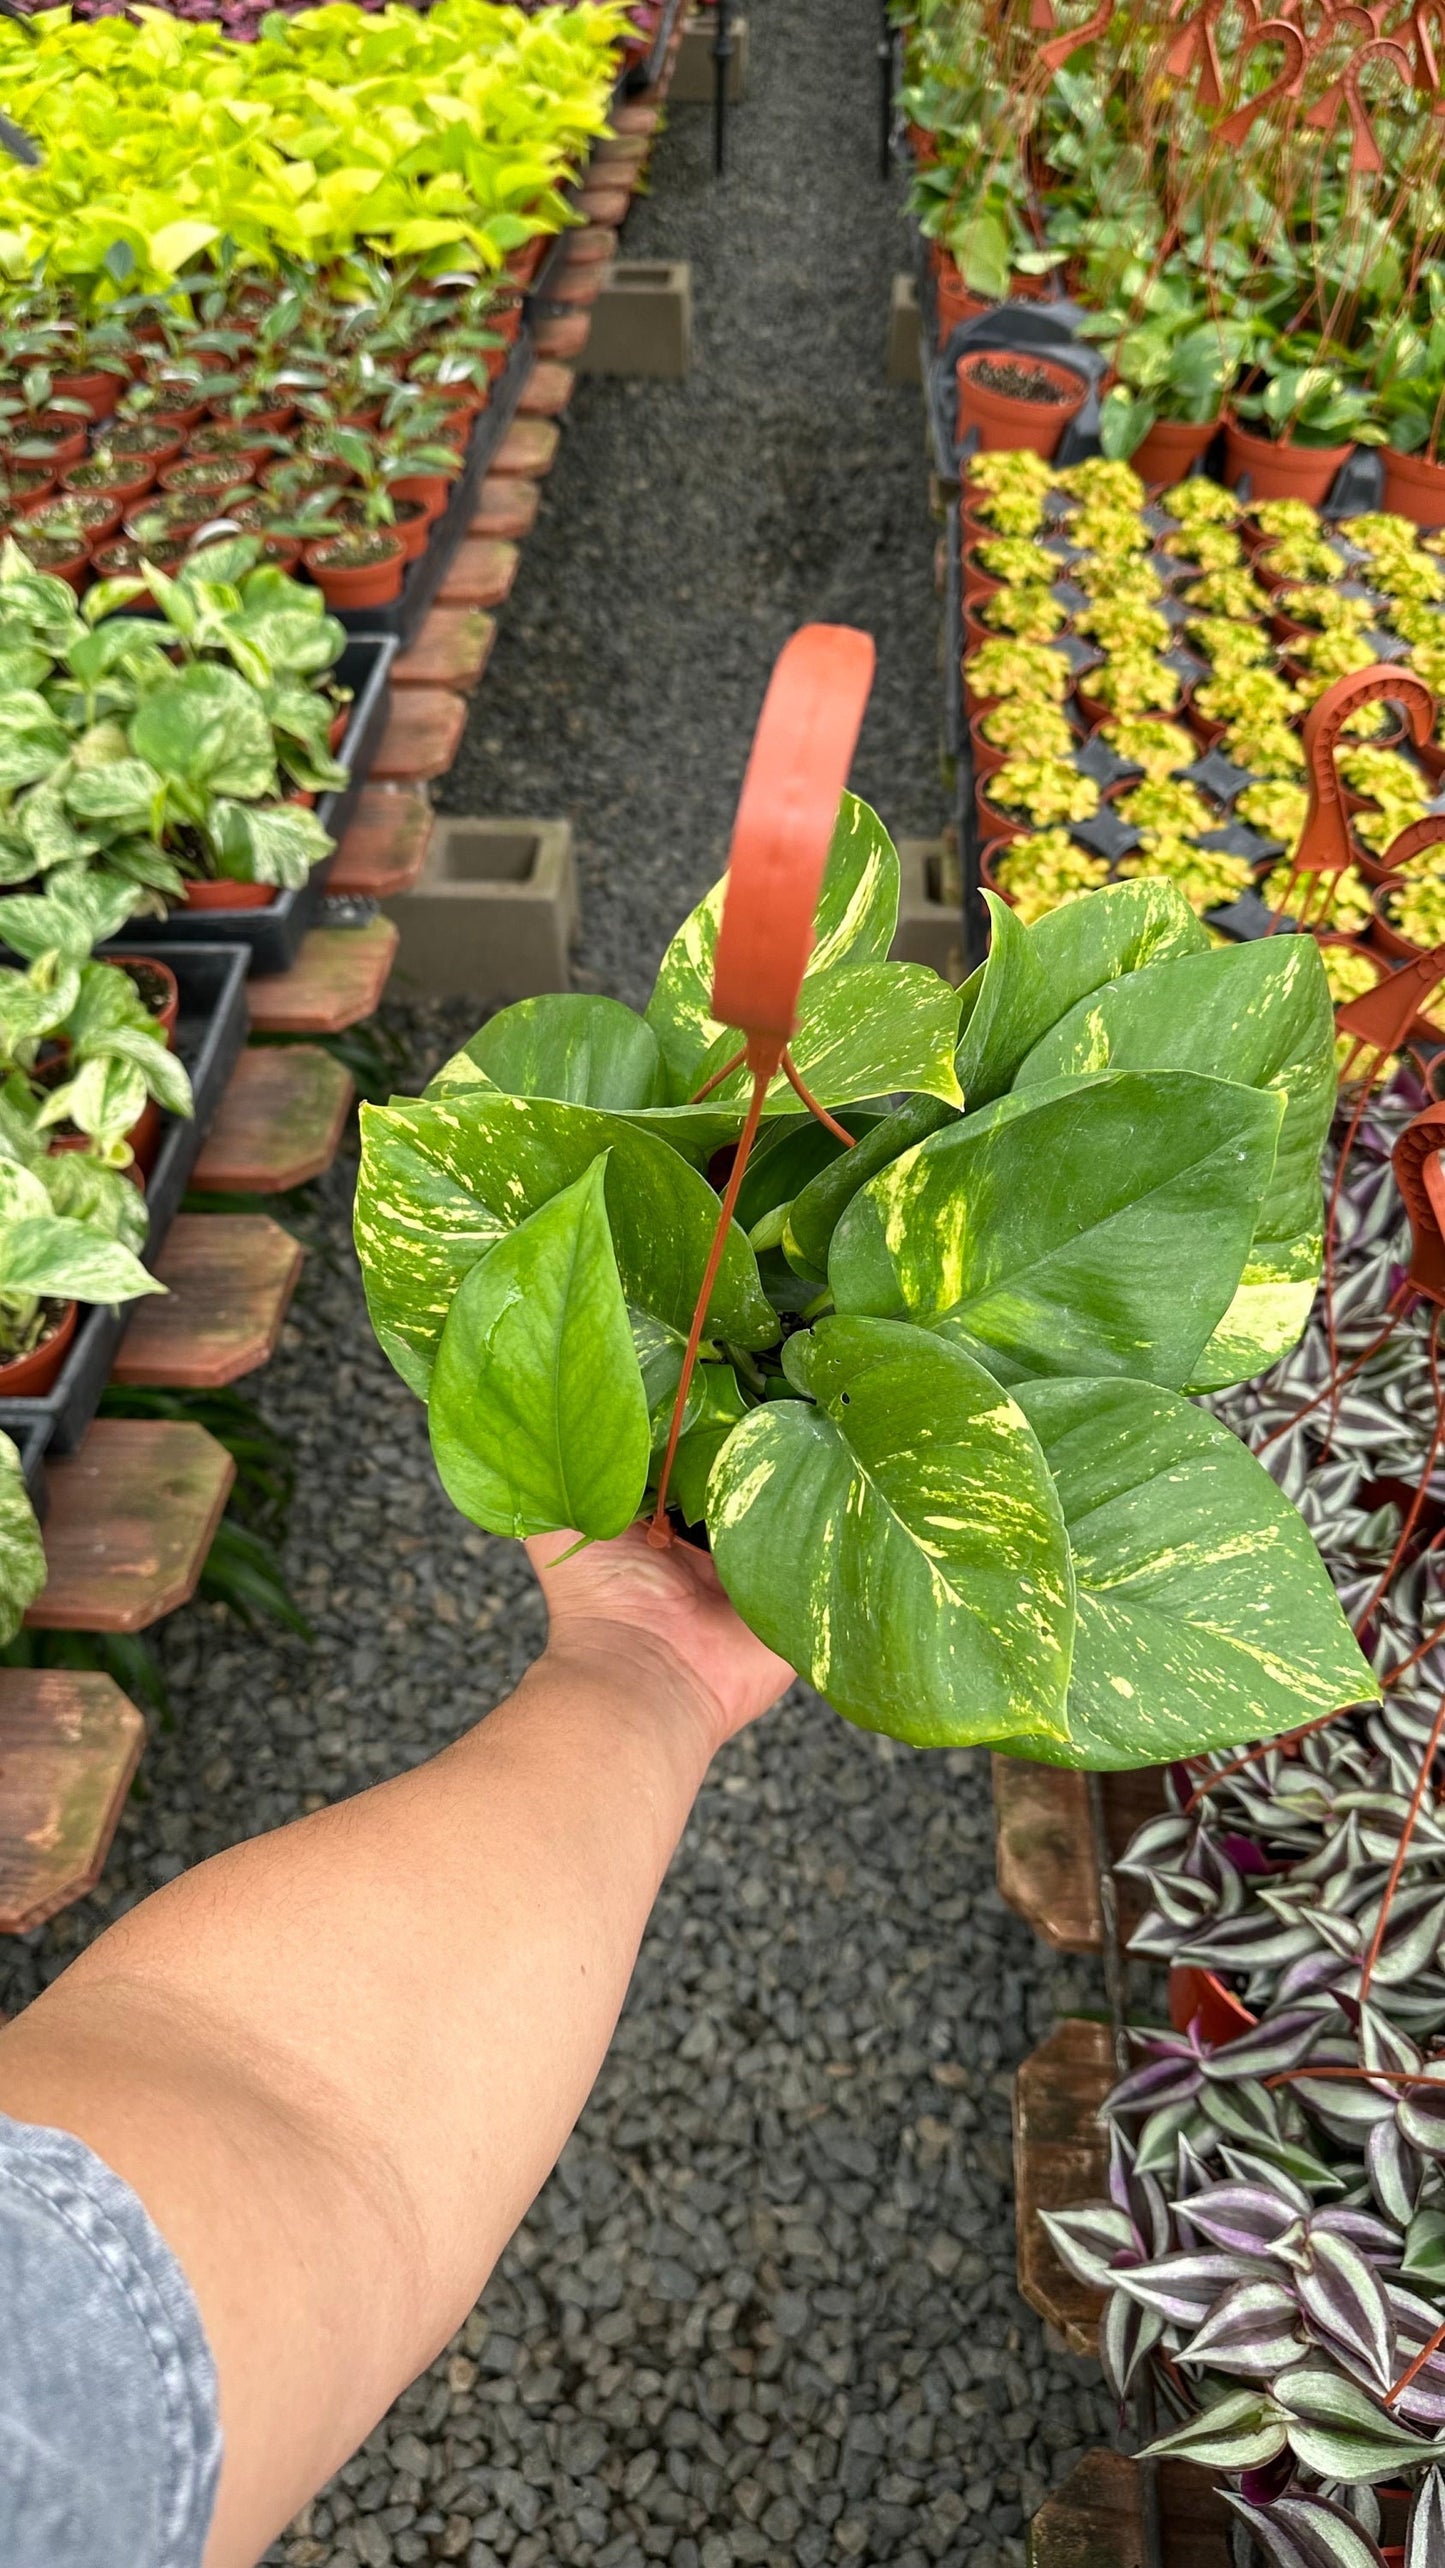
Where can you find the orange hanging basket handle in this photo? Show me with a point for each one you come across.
(802, 751)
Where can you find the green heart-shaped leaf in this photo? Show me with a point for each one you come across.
(1035, 975)
(587, 1050)
(896, 1536)
(537, 1410)
(1100, 1228)
(442, 1179)
(1205, 1614)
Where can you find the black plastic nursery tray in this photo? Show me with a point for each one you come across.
(210, 1031)
(403, 618)
(31, 1443)
(272, 936)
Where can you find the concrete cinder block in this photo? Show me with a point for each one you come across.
(930, 921)
(642, 321)
(492, 913)
(905, 353)
(695, 73)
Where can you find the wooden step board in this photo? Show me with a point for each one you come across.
(130, 1521)
(1094, 2521)
(279, 1123)
(1060, 2160)
(563, 336)
(422, 736)
(549, 389)
(529, 449)
(483, 573)
(69, 1745)
(336, 980)
(385, 848)
(451, 650)
(507, 507)
(229, 1279)
(1045, 1847)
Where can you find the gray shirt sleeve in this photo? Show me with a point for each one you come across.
(109, 2439)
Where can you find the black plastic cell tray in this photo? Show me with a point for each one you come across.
(272, 936)
(210, 1031)
(403, 618)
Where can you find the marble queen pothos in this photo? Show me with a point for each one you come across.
(940, 1439)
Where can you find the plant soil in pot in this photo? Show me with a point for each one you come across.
(29, 1377)
(61, 560)
(157, 987)
(1279, 469)
(1016, 401)
(413, 524)
(358, 570)
(148, 437)
(1414, 488)
(61, 445)
(124, 478)
(202, 479)
(1170, 448)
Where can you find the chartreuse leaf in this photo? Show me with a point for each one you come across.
(1101, 1229)
(588, 1050)
(1034, 975)
(864, 1030)
(1205, 1614)
(22, 1553)
(1258, 1013)
(896, 1536)
(856, 917)
(537, 1410)
(720, 1405)
(442, 1180)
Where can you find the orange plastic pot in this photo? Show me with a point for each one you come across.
(99, 391)
(1172, 445)
(228, 896)
(1414, 488)
(1278, 468)
(1007, 423)
(29, 1377)
(1200, 1996)
(352, 584)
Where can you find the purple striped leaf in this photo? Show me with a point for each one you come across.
(1183, 2289)
(1344, 2300)
(1421, 2114)
(1246, 2220)
(1395, 2170)
(1279, 2042)
(1092, 2241)
(1374, 2238)
(1127, 2333)
(1240, 2432)
(1307, 2532)
(1254, 2329)
(1425, 2545)
(1337, 2430)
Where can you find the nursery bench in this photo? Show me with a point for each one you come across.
(337, 979)
(69, 1745)
(385, 847)
(130, 1521)
(229, 1279)
(279, 1123)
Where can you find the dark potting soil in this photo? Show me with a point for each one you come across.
(1014, 380)
(766, 2311)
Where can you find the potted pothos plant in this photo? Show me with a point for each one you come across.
(939, 1441)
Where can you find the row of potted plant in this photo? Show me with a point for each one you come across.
(1254, 235)
(1137, 675)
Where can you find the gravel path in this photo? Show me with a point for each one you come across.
(765, 2310)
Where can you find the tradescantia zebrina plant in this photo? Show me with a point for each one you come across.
(939, 1439)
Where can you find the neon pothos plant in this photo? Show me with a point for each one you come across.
(938, 1439)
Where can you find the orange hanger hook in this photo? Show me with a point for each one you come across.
(1325, 846)
(1233, 128)
(1421, 1180)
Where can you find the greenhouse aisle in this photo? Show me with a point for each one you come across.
(765, 2311)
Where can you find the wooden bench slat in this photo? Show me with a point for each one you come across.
(385, 848)
(336, 980)
(279, 1122)
(529, 447)
(130, 1521)
(1060, 2160)
(1094, 2522)
(452, 650)
(507, 507)
(229, 1279)
(482, 574)
(548, 391)
(69, 1745)
(1045, 1849)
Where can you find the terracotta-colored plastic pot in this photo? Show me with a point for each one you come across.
(1278, 468)
(260, 423)
(1201, 1994)
(241, 462)
(99, 391)
(132, 475)
(166, 1015)
(1172, 445)
(31, 490)
(414, 530)
(1414, 488)
(29, 1377)
(523, 264)
(431, 491)
(229, 896)
(1388, 938)
(182, 416)
(73, 568)
(67, 445)
(337, 727)
(345, 584)
(164, 451)
(954, 300)
(988, 856)
(977, 631)
(1006, 422)
(986, 759)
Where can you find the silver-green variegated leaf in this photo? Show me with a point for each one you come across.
(573, 1045)
(1035, 975)
(1241, 2431)
(856, 917)
(1306, 2532)
(537, 1411)
(1342, 2434)
(1100, 1227)
(895, 1535)
(442, 1179)
(1205, 1614)
(1258, 1013)
(22, 1553)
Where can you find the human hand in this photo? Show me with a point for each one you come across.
(622, 1597)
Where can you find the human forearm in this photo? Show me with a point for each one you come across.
(336, 2063)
